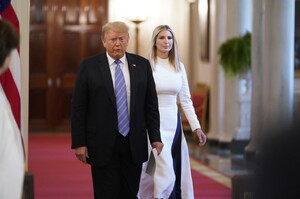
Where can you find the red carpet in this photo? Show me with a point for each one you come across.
(206, 188)
(59, 175)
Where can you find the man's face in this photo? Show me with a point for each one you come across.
(115, 43)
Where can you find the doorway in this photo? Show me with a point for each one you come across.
(62, 33)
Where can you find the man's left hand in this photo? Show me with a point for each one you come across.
(158, 146)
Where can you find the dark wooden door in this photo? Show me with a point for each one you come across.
(62, 33)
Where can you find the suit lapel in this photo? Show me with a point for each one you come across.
(132, 72)
(106, 75)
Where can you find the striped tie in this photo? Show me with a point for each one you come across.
(121, 97)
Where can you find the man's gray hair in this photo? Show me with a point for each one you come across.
(117, 26)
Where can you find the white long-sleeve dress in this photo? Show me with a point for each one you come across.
(172, 178)
(11, 153)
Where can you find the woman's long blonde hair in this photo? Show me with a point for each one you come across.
(174, 58)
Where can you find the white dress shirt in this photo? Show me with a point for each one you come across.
(125, 70)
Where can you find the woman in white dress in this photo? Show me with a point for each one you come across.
(172, 176)
(11, 150)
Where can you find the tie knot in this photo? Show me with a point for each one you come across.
(117, 61)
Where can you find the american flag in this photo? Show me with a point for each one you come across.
(11, 79)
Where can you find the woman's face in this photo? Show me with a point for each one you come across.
(164, 42)
(5, 64)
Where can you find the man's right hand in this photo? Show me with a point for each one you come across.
(81, 154)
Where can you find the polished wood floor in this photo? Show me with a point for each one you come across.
(220, 159)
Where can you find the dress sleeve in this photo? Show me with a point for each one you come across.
(185, 101)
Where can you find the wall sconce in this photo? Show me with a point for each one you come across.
(137, 13)
(137, 22)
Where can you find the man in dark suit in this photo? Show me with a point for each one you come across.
(116, 160)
